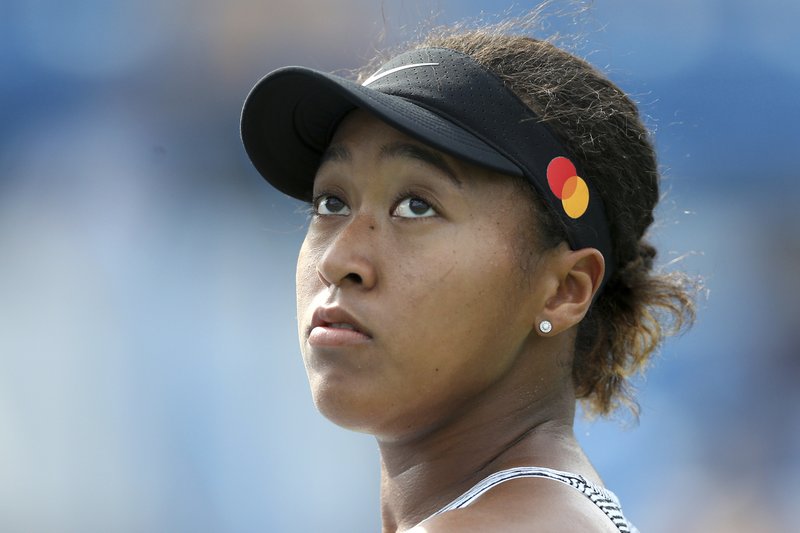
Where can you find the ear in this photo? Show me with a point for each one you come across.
(578, 274)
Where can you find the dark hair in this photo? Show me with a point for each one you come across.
(601, 127)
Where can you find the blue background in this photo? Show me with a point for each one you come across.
(150, 378)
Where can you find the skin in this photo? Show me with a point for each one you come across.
(421, 252)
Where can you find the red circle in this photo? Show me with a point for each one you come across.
(559, 171)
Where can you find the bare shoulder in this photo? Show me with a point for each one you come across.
(524, 505)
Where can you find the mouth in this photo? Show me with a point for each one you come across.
(341, 325)
(333, 326)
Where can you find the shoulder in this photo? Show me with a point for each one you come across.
(524, 505)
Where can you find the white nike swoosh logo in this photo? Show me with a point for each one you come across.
(379, 75)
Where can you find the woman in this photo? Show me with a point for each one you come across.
(474, 264)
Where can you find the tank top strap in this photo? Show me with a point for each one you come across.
(603, 498)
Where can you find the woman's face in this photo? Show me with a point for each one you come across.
(412, 296)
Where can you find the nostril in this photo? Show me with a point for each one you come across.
(355, 278)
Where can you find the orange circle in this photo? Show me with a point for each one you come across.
(576, 203)
(569, 187)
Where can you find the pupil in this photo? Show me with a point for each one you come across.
(333, 204)
(417, 206)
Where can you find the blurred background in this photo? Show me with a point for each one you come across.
(150, 378)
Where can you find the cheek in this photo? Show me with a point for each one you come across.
(306, 278)
(307, 286)
(462, 297)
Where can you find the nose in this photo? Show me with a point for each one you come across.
(349, 258)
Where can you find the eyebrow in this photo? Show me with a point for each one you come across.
(335, 152)
(420, 153)
(339, 153)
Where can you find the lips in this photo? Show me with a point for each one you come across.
(333, 326)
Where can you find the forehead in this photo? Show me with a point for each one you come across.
(362, 129)
(362, 137)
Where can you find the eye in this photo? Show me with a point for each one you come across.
(327, 204)
(414, 207)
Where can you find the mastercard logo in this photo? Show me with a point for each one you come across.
(568, 186)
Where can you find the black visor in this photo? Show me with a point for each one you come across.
(438, 96)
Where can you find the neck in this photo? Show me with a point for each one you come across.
(420, 475)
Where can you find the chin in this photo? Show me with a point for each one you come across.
(347, 406)
(367, 411)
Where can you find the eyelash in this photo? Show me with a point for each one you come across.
(311, 208)
(414, 193)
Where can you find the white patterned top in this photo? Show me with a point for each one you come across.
(603, 498)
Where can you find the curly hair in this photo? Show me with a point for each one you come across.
(601, 127)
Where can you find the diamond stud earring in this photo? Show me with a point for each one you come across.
(545, 326)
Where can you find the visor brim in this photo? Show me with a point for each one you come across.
(290, 116)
